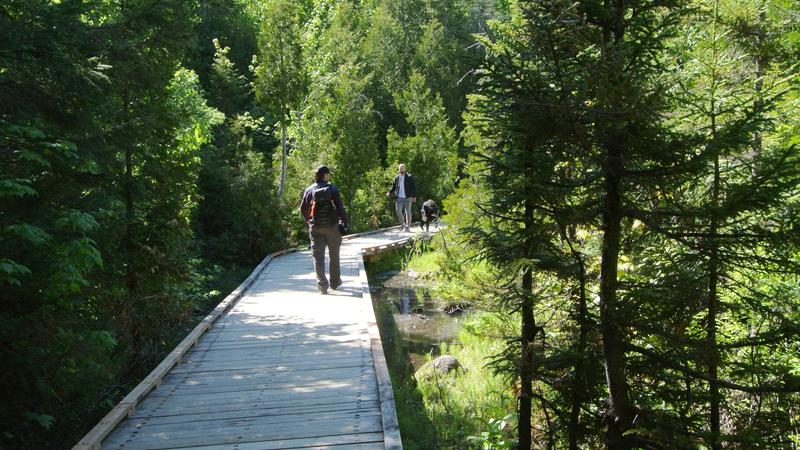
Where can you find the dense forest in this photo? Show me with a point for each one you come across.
(621, 182)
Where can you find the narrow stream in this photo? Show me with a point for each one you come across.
(412, 328)
(412, 325)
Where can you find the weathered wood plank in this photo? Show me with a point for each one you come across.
(278, 364)
(361, 441)
(285, 385)
(154, 406)
(281, 341)
(287, 354)
(260, 417)
(258, 430)
(175, 412)
(303, 395)
(210, 379)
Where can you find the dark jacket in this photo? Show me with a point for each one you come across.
(308, 196)
(411, 190)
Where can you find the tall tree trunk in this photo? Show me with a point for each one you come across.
(578, 380)
(130, 324)
(130, 273)
(128, 310)
(761, 64)
(620, 411)
(526, 365)
(283, 153)
(528, 334)
(713, 307)
(577, 394)
(713, 261)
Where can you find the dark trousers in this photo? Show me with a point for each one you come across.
(320, 238)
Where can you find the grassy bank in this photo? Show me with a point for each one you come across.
(468, 408)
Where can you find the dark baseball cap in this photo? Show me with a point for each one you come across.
(322, 170)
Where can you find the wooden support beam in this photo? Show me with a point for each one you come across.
(391, 427)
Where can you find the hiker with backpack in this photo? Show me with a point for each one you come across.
(323, 212)
(404, 191)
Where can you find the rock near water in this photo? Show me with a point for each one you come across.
(442, 365)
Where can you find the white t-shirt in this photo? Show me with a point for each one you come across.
(401, 186)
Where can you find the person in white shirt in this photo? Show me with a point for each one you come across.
(404, 192)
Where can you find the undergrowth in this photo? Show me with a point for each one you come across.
(467, 409)
(470, 408)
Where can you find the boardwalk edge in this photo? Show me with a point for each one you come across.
(391, 427)
(94, 438)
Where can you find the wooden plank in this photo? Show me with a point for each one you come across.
(273, 359)
(234, 400)
(238, 410)
(260, 418)
(285, 339)
(362, 441)
(286, 342)
(275, 364)
(307, 382)
(319, 384)
(286, 354)
(281, 327)
(308, 427)
(273, 373)
(300, 396)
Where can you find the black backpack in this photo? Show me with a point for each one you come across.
(322, 208)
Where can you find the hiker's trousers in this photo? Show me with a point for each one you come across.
(403, 209)
(321, 237)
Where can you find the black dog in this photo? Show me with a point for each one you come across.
(429, 213)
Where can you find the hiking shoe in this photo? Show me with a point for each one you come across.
(323, 291)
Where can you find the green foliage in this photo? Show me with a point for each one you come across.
(238, 218)
(497, 435)
(430, 153)
(336, 127)
(232, 22)
(228, 90)
(280, 79)
(372, 208)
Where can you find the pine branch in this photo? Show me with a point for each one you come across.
(792, 385)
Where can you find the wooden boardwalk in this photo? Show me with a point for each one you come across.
(276, 366)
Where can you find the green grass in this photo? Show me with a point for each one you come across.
(463, 405)
(425, 264)
(466, 410)
(453, 282)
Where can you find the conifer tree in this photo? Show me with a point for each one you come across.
(723, 223)
(585, 85)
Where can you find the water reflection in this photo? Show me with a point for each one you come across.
(411, 322)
